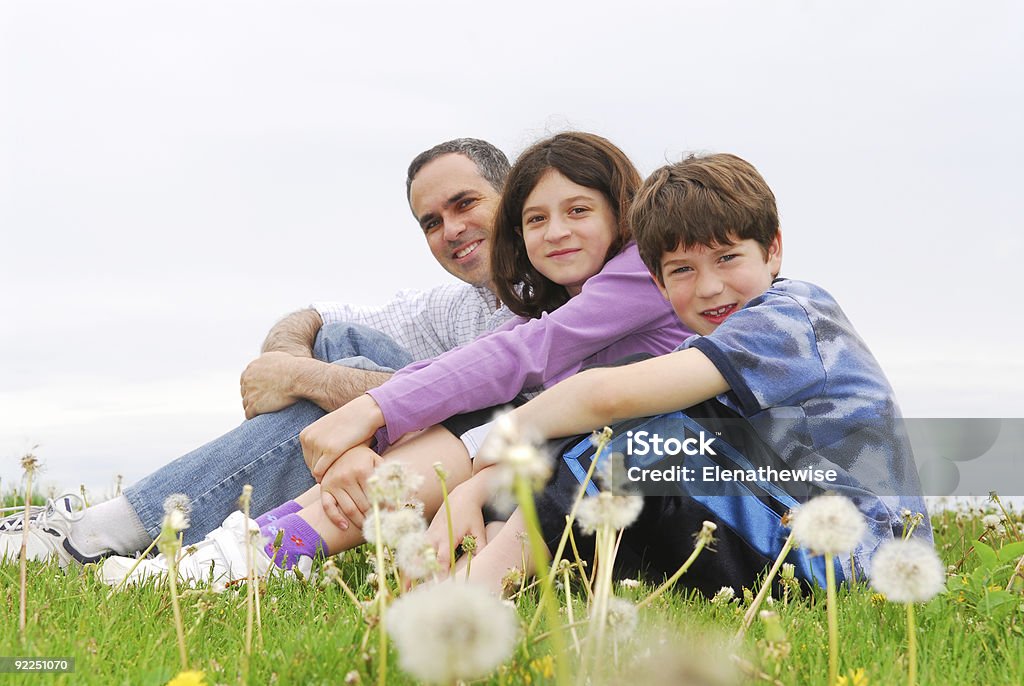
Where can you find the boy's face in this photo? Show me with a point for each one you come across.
(706, 285)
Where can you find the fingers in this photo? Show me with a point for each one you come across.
(332, 510)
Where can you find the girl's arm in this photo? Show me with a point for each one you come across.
(599, 397)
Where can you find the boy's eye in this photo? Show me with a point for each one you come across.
(681, 270)
(727, 258)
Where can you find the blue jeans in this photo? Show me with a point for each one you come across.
(263, 451)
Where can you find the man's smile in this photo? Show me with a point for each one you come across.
(467, 249)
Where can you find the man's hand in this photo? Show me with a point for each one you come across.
(267, 383)
(343, 488)
(334, 434)
(467, 519)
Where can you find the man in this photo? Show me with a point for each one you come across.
(312, 362)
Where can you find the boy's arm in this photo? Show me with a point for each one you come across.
(599, 397)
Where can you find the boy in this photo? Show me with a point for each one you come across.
(776, 374)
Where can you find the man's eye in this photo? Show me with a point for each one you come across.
(430, 225)
(468, 202)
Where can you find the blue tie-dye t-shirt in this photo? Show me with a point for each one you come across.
(800, 374)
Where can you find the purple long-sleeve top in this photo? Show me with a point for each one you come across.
(618, 312)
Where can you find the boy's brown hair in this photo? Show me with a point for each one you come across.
(708, 200)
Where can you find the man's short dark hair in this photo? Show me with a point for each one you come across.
(491, 162)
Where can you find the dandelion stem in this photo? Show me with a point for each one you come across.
(23, 555)
(124, 582)
(382, 590)
(833, 620)
(524, 496)
(448, 521)
(911, 646)
(176, 607)
(568, 609)
(567, 531)
(701, 542)
(748, 618)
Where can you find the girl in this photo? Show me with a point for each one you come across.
(564, 261)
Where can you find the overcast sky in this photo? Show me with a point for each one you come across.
(177, 176)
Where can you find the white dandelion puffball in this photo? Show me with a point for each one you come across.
(415, 557)
(608, 510)
(828, 525)
(622, 618)
(393, 484)
(394, 525)
(451, 631)
(907, 571)
(176, 520)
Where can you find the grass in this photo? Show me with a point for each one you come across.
(313, 634)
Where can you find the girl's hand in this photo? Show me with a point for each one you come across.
(329, 437)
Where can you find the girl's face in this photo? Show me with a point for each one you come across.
(567, 229)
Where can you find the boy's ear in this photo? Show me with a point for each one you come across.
(658, 285)
(775, 254)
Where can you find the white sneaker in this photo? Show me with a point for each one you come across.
(218, 558)
(48, 529)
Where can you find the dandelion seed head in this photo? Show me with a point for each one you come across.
(393, 484)
(608, 510)
(629, 583)
(907, 571)
(179, 502)
(394, 525)
(725, 595)
(994, 522)
(451, 631)
(29, 463)
(415, 557)
(828, 525)
(622, 618)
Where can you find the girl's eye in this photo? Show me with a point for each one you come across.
(533, 219)
(578, 210)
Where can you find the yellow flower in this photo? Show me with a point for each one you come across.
(853, 678)
(190, 678)
(544, 666)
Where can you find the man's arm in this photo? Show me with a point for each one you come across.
(275, 380)
(600, 397)
(295, 334)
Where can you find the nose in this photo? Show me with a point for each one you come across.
(453, 228)
(708, 284)
(556, 230)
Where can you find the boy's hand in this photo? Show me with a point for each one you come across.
(467, 519)
(329, 437)
(343, 488)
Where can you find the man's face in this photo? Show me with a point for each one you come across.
(455, 207)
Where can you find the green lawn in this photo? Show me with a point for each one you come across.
(313, 634)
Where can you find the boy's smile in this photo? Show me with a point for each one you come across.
(706, 285)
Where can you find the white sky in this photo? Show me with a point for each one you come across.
(176, 176)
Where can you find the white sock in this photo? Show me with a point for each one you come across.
(110, 526)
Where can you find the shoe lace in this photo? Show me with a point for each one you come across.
(39, 515)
